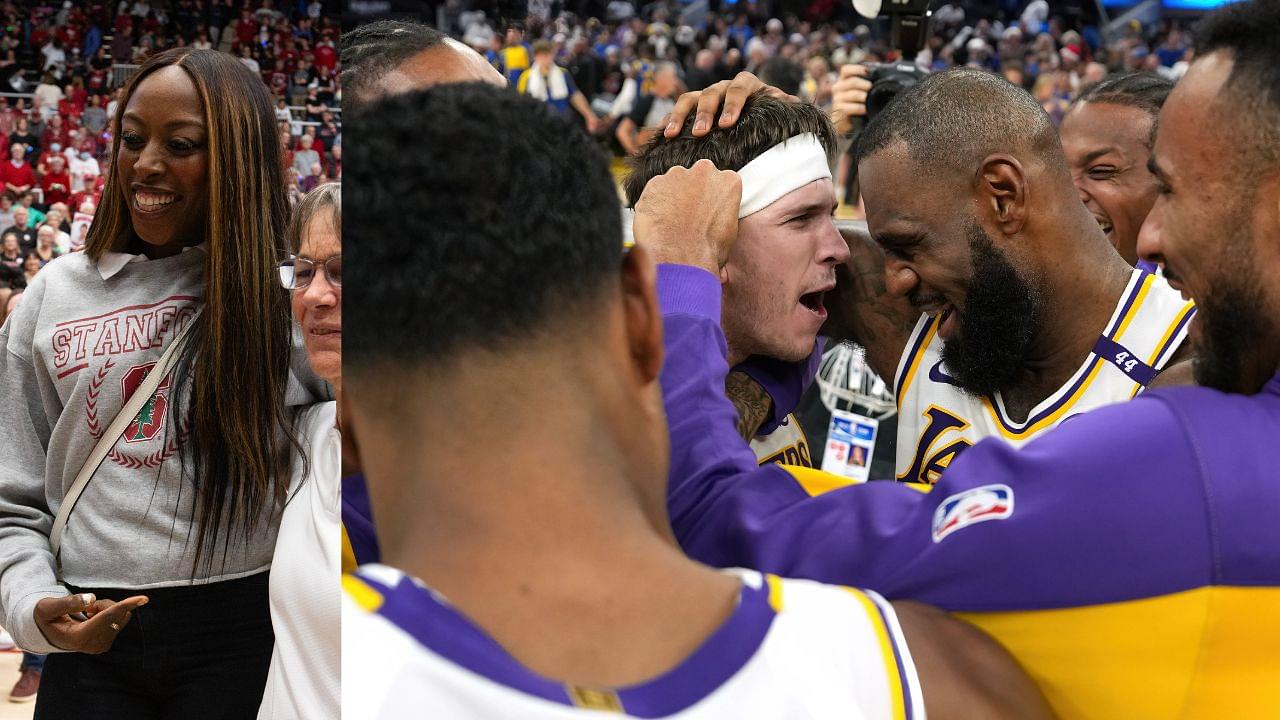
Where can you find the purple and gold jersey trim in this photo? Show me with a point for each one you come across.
(1009, 429)
(887, 634)
(1172, 338)
(911, 362)
(359, 536)
(437, 626)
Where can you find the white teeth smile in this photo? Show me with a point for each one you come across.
(153, 201)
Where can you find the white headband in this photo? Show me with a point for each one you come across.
(787, 166)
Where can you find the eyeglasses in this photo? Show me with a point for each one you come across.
(297, 273)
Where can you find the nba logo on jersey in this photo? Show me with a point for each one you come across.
(988, 502)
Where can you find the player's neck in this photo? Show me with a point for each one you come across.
(525, 520)
(1079, 299)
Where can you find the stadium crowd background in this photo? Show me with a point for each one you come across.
(618, 53)
(62, 66)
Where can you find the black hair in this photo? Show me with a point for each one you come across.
(1146, 91)
(953, 119)
(764, 122)
(471, 234)
(370, 51)
(782, 74)
(1247, 30)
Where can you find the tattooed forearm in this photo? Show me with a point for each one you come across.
(750, 400)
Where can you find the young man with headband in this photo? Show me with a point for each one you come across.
(783, 264)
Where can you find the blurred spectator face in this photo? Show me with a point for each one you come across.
(1013, 75)
(817, 68)
(17, 151)
(20, 217)
(10, 245)
(306, 141)
(56, 212)
(45, 236)
(779, 268)
(1094, 73)
(32, 264)
(542, 60)
(665, 82)
(56, 163)
(705, 60)
(316, 169)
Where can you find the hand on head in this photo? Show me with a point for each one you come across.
(689, 216)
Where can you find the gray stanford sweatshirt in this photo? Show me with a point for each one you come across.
(70, 356)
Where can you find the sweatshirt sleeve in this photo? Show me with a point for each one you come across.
(26, 561)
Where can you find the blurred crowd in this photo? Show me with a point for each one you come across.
(606, 61)
(63, 68)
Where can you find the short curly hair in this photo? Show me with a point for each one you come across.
(482, 218)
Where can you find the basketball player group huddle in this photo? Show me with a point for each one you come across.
(1080, 326)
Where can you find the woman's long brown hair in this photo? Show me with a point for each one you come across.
(235, 368)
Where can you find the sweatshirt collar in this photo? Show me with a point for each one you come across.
(113, 262)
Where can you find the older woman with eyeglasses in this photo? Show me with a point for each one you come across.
(304, 678)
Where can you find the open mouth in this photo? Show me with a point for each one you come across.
(813, 302)
(1107, 226)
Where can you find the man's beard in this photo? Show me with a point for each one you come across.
(1233, 329)
(1001, 313)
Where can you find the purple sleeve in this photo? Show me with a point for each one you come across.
(1109, 506)
(725, 510)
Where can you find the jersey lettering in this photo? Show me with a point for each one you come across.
(928, 464)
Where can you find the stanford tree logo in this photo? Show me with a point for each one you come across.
(150, 418)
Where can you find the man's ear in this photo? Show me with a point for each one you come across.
(642, 313)
(1002, 193)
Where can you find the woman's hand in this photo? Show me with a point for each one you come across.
(57, 619)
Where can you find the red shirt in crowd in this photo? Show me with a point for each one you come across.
(325, 56)
(56, 186)
(20, 175)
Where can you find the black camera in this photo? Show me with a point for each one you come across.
(908, 32)
(887, 80)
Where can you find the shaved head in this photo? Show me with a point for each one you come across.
(952, 120)
(388, 57)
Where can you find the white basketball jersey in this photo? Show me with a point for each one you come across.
(937, 420)
(786, 445)
(791, 649)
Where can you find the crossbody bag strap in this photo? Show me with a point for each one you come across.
(117, 427)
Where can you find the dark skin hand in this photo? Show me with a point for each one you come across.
(861, 309)
(750, 400)
(57, 619)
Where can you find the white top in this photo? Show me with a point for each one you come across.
(791, 649)
(937, 420)
(304, 680)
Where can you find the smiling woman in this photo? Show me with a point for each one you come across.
(306, 572)
(173, 300)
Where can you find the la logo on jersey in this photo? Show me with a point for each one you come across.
(988, 502)
(151, 417)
